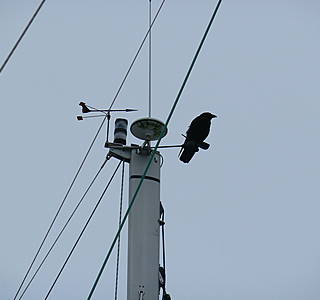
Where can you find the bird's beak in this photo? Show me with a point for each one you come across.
(213, 116)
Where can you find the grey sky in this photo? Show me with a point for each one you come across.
(242, 218)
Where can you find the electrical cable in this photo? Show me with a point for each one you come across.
(163, 243)
(21, 36)
(155, 148)
(163, 270)
(83, 230)
(59, 210)
(150, 60)
(118, 250)
(62, 230)
(162, 160)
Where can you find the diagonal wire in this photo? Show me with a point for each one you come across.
(62, 230)
(83, 230)
(155, 148)
(59, 209)
(118, 250)
(87, 153)
(21, 36)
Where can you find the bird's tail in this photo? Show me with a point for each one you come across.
(186, 156)
(188, 149)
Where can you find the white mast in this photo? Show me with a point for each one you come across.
(143, 225)
(143, 229)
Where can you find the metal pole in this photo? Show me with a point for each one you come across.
(143, 229)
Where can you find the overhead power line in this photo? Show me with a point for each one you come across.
(62, 230)
(155, 149)
(59, 210)
(83, 230)
(91, 145)
(21, 36)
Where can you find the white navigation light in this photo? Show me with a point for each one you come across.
(148, 129)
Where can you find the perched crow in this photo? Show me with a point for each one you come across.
(196, 134)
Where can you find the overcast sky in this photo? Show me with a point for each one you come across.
(242, 219)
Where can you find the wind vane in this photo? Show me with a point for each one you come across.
(106, 113)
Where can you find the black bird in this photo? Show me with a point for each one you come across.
(196, 134)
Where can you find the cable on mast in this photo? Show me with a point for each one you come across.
(150, 60)
(162, 223)
(62, 230)
(21, 36)
(118, 250)
(163, 270)
(155, 148)
(83, 230)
